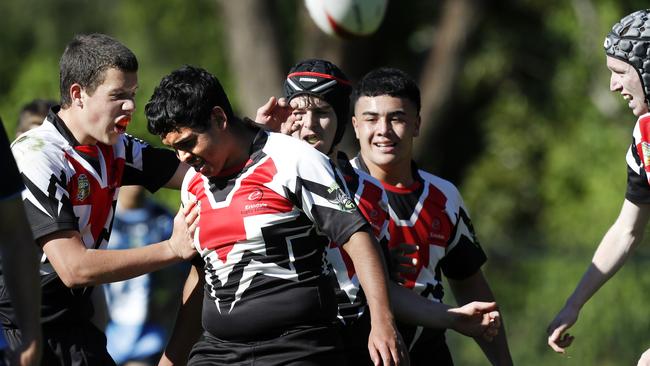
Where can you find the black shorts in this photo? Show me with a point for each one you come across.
(305, 346)
(69, 345)
(355, 341)
(429, 349)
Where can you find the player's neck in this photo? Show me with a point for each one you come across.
(243, 138)
(397, 174)
(74, 124)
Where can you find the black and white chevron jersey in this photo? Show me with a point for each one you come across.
(11, 183)
(74, 187)
(372, 202)
(262, 236)
(638, 162)
(431, 214)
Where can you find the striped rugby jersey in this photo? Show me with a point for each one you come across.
(262, 237)
(74, 187)
(431, 214)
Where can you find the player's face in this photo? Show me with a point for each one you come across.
(317, 120)
(207, 152)
(108, 111)
(626, 81)
(385, 127)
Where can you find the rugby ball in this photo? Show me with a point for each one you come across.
(347, 18)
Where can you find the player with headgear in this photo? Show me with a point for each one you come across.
(627, 47)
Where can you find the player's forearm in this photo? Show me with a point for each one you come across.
(78, 266)
(610, 256)
(411, 308)
(372, 274)
(476, 288)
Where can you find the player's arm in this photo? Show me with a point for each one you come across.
(78, 266)
(187, 328)
(619, 241)
(474, 319)
(20, 271)
(476, 288)
(177, 179)
(385, 343)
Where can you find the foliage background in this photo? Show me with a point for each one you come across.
(517, 113)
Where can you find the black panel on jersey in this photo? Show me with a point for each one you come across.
(58, 219)
(162, 161)
(339, 231)
(466, 257)
(11, 183)
(638, 189)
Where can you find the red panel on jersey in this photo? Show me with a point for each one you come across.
(222, 227)
(432, 227)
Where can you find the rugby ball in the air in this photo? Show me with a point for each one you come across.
(347, 18)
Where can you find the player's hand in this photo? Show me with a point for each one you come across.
(185, 224)
(557, 338)
(401, 263)
(29, 354)
(645, 359)
(477, 319)
(275, 115)
(386, 345)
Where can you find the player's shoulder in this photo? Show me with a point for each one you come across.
(447, 187)
(40, 144)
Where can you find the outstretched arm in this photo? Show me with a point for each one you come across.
(612, 252)
(476, 288)
(78, 266)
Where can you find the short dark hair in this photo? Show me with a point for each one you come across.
(185, 98)
(85, 60)
(33, 113)
(387, 81)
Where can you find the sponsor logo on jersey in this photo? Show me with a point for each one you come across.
(256, 195)
(83, 187)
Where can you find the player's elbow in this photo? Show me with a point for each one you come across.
(74, 276)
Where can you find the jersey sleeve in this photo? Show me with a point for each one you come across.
(319, 194)
(638, 162)
(45, 173)
(147, 166)
(464, 253)
(11, 184)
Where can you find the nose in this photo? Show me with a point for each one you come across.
(383, 126)
(128, 105)
(615, 83)
(309, 120)
(184, 156)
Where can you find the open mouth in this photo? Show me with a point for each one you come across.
(122, 123)
(312, 139)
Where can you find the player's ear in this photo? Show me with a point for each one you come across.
(354, 125)
(76, 92)
(219, 117)
(418, 121)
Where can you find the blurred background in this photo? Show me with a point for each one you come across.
(517, 113)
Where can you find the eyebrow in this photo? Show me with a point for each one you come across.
(183, 142)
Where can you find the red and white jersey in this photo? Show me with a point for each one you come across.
(262, 236)
(74, 187)
(431, 214)
(638, 162)
(371, 199)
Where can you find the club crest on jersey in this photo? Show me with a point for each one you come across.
(342, 200)
(83, 187)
